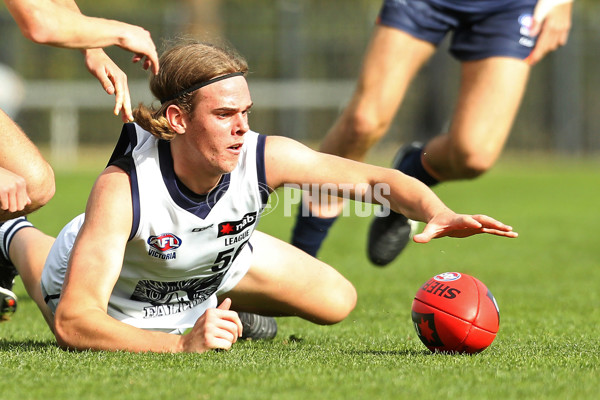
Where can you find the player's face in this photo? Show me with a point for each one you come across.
(219, 121)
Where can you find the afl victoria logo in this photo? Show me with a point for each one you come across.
(164, 242)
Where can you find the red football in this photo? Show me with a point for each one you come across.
(455, 312)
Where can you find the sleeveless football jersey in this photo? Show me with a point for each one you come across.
(181, 252)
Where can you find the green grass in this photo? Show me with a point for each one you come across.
(546, 284)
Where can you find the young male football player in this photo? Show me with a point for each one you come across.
(168, 241)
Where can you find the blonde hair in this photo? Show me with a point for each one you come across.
(182, 66)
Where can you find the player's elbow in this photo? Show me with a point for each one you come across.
(67, 328)
(41, 186)
(64, 332)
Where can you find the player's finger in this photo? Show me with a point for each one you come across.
(225, 304)
(509, 234)
(119, 97)
(535, 27)
(22, 199)
(4, 204)
(148, 62)
(152, 60)
(13, 204)
(228, 330)
(107, 84)
(233, 316)
(217, 343)
(127, 113)
(429, 232)
(490, 222)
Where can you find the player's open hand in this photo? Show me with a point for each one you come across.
(138, 41)
(112, 79)
(13, 192)
(460, 226)
(551, 24)
(217, 328)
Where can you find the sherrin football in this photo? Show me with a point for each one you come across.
(454, 312)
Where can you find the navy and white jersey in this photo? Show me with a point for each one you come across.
(182, 251)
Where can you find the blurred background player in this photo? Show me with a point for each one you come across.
(26, 179)
(496, 41)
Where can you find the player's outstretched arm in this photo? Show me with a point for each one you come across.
(288, 161)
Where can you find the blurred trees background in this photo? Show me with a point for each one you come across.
(317, 43)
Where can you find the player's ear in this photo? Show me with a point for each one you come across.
(175, 116)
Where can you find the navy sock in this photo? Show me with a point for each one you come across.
(310, 231)
(412, 165)
(7, 232)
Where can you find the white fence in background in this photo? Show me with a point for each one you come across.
(65, 99)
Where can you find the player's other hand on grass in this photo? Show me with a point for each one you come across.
(450, 224)
(217, 328)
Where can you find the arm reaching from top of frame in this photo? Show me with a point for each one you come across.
(551, 22)
(60, 23)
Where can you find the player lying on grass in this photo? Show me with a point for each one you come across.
(168, 241)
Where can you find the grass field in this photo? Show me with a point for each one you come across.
(546, 283)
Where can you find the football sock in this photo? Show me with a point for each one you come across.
(412, 165)
(310, 231)
(8, 230)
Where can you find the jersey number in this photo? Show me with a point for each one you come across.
(225, 258)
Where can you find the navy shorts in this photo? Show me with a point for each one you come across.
(495, 31)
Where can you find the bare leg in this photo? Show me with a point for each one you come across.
(285, 281)
(19, 156)
(490, 95)
(391, 61)
(28, 251)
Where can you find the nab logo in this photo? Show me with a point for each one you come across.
(164, 242)
(234, 227)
